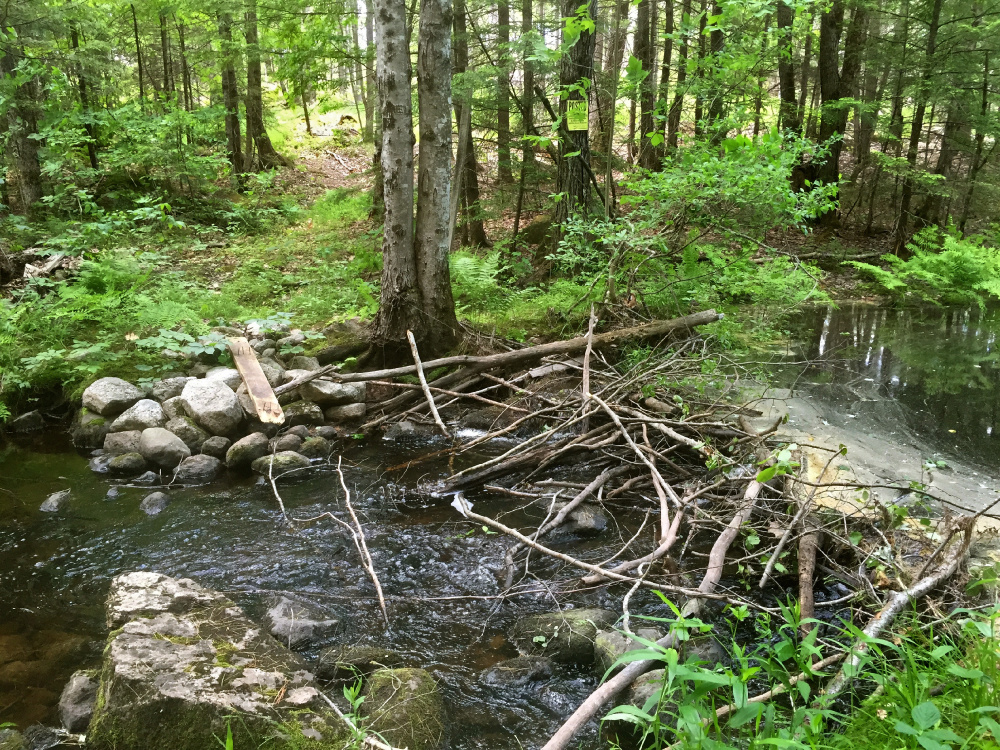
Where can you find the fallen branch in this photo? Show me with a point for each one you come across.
(366, 558)
(423, 384)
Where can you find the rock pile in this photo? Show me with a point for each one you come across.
(193, 427)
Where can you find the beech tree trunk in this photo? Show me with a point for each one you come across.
(473, 230)
(265, 157)
(440, 326)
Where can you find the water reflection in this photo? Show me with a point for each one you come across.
(939, 365)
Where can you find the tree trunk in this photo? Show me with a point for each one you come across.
(662, 96)
(615, 51)
(138, 55)
(674, 117)
(400, 302)
(473, 230)
(956, 130)
(185, 70)
(504, 173)
(230, 95)
(699, 99)
(806, 69)
(432, 242)
(371, 87)
(791, 119)
(84, 102)
(165, 53)
(717, 41)
(266, 156)
(977, 158)
(573, 178)
(22, 124)
(528, 89)
(643, 49)
(305, 109)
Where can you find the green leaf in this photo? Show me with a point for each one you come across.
(856, 538)
(903, 728)
(925, 715)
(744, 715)
(767, 474)
(969, 674)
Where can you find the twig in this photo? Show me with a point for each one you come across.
(366, 555)
(585, 387)
(423, 384)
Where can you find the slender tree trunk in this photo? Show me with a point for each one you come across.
(668, 51)
(791, 119)
(806, 69)
(573, 179)
(504, 173)
(615, 52)
(266, 156)
(674, 117)
(433, 230)
(717, 41)
(138, 56)
(305, 109)
(371, 87)
(84, 102)
(643, 50)
(956, 130)
(165, 52)
(185, 71)
(977, 158)
(473, 229)
(230, 95)
(400, 302)
(528, 89)
(22, 124)
(917, 127)
(699, 99)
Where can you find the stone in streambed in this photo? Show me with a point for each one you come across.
(302, 362)
(212, 405)
(173, 408)
(609, 645)
(162, 447)
(150, 478)
(327, 433)
(117, 443)
(190, 433)
(227, 375)
(518, 672)
(245, 451)
(405, 707)
(55, 502)
(27, 422)
(315, 447)
(127, 465)
(287, 442)
(345, 662)
(282, 462)
(705, 649)
(11, 740)
(110, 396)
(346, 413)
(154, 503)
(168, 388)
(586, 520)
(328, 393)
(142, 414)
(216, 446)
(76, 704)
(88, 429)
(303, 413)
(200, 469)
(184, 663)
(566, 637)
(296, 623)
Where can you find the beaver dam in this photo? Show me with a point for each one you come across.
(473, 545)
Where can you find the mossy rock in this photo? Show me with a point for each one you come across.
(283, 461)
(610, 645)
(346, 662)
(566, 637)
(11, 740)
(405, 707)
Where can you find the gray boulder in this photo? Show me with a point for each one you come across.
(645, 694)
(303, 413)
(99, 464)
(346, 662)
(609, 645)
(295, 338)
(173, 407)
(407, 431)
(405, 707)
(705, 649)
(518, 672)
(200, 469)
(213, 405)
(282, 462)
(168, 388)
(216, 446)
(245, 451)
(315, 447)
(302, 362)
(586, 520)
(328, 393)
(231, 377)
(127, 465)
(27, 422)
(190, 433)
(183, 664)
(116, 443)
(300, 429)
(346, 413)
(55, 502)
(287, 442)
(566, 637)
(162, 447)
(110, 396)
(273, 371)
(327, 433)
(76, 704)
(154, 503)
(260, 345)
(144, 413)
(246, 403)
(88, 429)
(295, 623)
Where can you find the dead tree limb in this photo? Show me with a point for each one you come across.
(423, 384)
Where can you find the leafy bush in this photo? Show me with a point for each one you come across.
(943, 268)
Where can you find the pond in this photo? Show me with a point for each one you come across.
(933, 372)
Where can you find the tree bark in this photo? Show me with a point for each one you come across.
(22, 124)
(165, 53)
(528, 89)
(977, 159)
(185, 70)
(138, 55)
(81, 77)
(643, 48)
(230, 95)
(699, 99)
(615, 52)
(573, 178)
(504, 172)
(440, 327)
(791, 119)
(266, 157)
(663, 91)
(371, 87)
(473, 231)
(674, 117)
(717, 41)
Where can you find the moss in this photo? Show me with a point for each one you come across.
(406, 708)
(224, 651)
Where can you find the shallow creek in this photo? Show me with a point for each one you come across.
(935, 373)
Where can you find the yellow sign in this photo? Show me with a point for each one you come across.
(577, 116)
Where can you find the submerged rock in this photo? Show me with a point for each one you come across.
(27, 422)
(144, 413)
(76, 704)
(586, 520)
(55, 502)
(405, 707)
(11, 740)
(154, 503)
(162, 447)
(88, 429)
(282, 462)
(110, 396)
(184, 663)
(519, 671)
(200, 469)
(609, 645)
(566, 637)
(295, 623)
(212, 405)
(150, 478)
(244, 452)
(346, 662)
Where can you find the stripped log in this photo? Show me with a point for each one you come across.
(264, 400)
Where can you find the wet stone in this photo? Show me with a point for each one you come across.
(405, 707)
(113, 494)
(518, 672)
(76, 704)
(216, 446)
(302, 362)
(27, 422)
(154, 503)
(162, 447)
(117, 443)
(282, 462)
(11, 740)
(326, 432)
(303, 413)
(315, 447)
(327, 393)
(609, 645)
(287, 442)
(212, 405)
(296, 623)
(566, 637)
(88, 429)
(190, 433)
(244, 452)
(55, 502)
(150, 478)
(200, 469)
(346, 413)
(127, 465)
(345, 662)
(99, 464)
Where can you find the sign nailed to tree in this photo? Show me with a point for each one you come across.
(577, 115)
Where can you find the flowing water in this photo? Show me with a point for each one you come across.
(937, 368)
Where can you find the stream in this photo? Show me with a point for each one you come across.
(929, 377)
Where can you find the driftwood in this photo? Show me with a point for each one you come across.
(259, 390)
